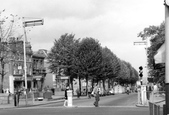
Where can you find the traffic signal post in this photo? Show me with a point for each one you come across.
(142, 92)
(147, 44)
(141, 74)
(166, 4)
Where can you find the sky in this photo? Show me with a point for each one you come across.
(115, 23)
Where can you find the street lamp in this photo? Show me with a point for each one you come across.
(27, 24)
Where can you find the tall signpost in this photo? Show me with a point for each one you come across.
(27, 24)
(166, 4)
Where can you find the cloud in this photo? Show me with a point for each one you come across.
(58, 8)
(115, 23)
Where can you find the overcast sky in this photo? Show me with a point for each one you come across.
(115, 23)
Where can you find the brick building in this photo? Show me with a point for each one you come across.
(14, 67)
(38, 69)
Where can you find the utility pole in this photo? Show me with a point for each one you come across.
(166, 4)
(28, 24)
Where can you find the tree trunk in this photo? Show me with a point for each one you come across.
(93, 83)
(109, 83)
(79, 84)
(1, 86)
(2, 77)
(87, 84)
(103, 84)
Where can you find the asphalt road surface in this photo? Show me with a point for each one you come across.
(76, 111)
(119, 100)
(120, 104)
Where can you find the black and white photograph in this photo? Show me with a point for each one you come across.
(84, 57)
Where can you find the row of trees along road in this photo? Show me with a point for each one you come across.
(86, 59)
(157, 38)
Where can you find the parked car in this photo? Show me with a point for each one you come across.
(111, 91)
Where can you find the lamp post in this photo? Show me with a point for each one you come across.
(166, 4)
(27, 24)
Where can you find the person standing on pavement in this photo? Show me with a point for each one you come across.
(78, 93)
(66, 101)
(17, 94)
(148, 91)
(128, 90)
(89, 91)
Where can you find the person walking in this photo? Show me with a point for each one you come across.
(66, 101)
(96, 95)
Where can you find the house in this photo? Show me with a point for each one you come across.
(38, 69)
(14, 66)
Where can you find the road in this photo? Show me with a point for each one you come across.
(113, 100)
(121, 104)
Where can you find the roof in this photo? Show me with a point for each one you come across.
(42, 53)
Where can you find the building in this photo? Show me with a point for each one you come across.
(14, 65)
(38, 69)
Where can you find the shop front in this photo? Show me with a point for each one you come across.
(38, 82)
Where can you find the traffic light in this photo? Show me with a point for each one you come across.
(141, 71)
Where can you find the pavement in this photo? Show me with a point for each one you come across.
(159, 100)
(30, 102)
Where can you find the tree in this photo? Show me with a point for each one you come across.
(127, 74)
(110, 65)
(62, 54)
(6, 32)
(89, 58)
(124, 73)
(157, 35)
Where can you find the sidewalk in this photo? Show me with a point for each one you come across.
(30, 102)
(158, 100)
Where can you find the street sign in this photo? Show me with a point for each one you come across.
(33, 22)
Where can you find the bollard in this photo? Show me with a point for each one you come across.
(33, 98)
(69, 93)
(9, 99)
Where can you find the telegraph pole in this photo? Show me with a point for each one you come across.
(166, 4)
